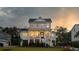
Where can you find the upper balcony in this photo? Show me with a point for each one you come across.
(40, 26)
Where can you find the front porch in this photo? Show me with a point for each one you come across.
(37, 43)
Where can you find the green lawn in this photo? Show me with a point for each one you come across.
(31, 49)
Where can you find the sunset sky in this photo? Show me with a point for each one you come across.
(18, 16)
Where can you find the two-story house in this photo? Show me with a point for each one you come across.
(75, 35)
(39, 31)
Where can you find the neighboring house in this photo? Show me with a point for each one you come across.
(74, 33)
(4, 39)
(39, 31)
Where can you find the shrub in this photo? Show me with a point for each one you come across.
(75, 44)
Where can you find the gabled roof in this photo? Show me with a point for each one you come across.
(40, 20)
(74, 26)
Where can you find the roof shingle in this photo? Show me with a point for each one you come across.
(40, 20)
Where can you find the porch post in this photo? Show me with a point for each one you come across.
(45, 42)
(21, 43)
(34, 40)
(28, 42)
(40, 40)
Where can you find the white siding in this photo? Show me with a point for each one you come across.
(39, 26)
(23, 35)
(74, 32)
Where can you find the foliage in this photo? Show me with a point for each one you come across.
(15, 37)
(75, 44)
(63, 37)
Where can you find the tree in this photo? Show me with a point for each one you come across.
(15, 37)
(62, 35)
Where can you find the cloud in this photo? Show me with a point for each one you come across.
(2, 13)
(19, 16)
(67, 17)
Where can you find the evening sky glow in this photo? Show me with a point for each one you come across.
(14, 16)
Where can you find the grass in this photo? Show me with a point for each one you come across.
(31, 49)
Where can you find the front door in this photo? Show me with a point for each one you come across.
(42, 35)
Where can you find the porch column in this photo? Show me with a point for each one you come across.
(40, 40)
(34, 40)
(28, 42)
(55, 42)
(21, 43)
(45, 42)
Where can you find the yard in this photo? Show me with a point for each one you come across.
(31, 49)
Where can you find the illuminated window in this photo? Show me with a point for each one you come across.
(33, 33)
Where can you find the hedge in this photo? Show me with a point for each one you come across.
(75, 44)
